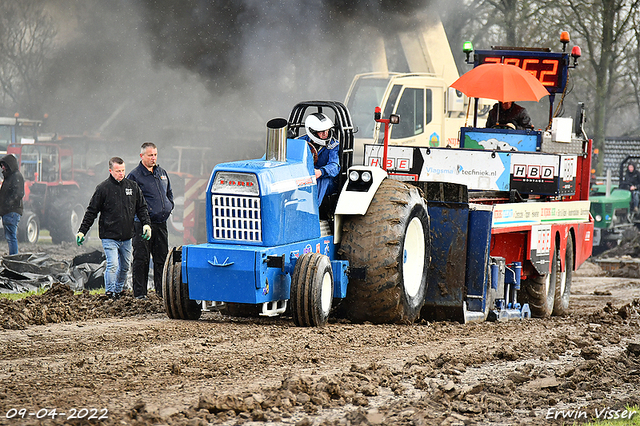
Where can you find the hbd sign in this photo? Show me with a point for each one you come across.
(525, 171)
(535, 173)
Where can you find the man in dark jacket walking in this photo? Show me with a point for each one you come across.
(118, 200)
(11, 194)
(154, 183)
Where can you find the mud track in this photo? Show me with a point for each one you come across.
(127, 360)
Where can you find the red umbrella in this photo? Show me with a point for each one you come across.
(504, 83)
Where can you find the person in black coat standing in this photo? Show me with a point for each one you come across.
(11, 194)
(118, 201)
(631, 182)
(156, 187)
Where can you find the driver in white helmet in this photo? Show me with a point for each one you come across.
(325, 150)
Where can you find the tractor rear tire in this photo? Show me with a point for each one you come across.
(563, 284)
(66, 222)
(391, 245)
(311, 290)
(541, 290)
(176, 293)
(28, 228)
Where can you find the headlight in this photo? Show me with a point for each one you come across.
(354, 176)
(366, 177)
(235, 183)
(598, 218)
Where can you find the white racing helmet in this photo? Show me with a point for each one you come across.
(318, 122)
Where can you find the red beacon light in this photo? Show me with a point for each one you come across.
(393, 119)
(575, 54)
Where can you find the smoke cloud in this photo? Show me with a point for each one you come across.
(207, 73)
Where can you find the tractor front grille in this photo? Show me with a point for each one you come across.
(236, 218)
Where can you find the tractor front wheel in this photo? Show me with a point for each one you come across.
(176, 293)
(311, 290)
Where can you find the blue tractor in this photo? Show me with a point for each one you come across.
(368, 253)
(270, 249)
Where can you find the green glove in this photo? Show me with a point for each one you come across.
(79, 238)
(146, 232)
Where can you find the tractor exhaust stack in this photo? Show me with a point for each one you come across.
(276, 140)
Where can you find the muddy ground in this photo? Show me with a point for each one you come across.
(126, 362)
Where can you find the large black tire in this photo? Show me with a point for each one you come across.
(28, 228)
(176, 293)
(563, 283)
(311, 290)
(65, 222)
(540, 290)
(390, 248)
(167, 279)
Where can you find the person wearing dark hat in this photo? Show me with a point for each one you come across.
(11, 194)
(631, 182)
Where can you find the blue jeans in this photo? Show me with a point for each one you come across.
(118, 254)
(10, 225)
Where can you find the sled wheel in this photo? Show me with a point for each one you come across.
(391, 244)
(563, 284)
(176, 293)
(29, 228)
(311, 290)
(541, 290)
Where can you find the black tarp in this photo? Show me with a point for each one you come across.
(25, 272)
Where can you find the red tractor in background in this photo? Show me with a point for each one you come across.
(53, 197)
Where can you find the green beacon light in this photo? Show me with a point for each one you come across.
(467, 48)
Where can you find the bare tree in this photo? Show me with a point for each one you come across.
(26, 39)
(605, 29)
(634, 71)
(498, 22)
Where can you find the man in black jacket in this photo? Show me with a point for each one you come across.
(156, 188)
(118, 200)
(11, 194)
(509, 115)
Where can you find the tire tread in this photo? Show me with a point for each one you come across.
(374, 242)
